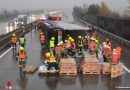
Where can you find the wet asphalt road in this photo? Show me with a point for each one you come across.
(9, 71)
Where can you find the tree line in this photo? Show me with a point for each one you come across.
(94, 9)
(6, 15)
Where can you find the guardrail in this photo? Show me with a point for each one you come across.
(108, 34)
(5, 40)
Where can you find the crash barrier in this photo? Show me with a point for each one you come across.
(108, 34)
(5, 40)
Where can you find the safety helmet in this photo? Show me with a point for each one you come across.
(104, 43)
(65, 40)
(114, 50)
(79, 37)
(86, 36)
(107, 39)
(72, 40)
(58, 44)
(21, 48)
(61, 42)
(42, 33)
(53, 38)
(14, 35)
(47, 55)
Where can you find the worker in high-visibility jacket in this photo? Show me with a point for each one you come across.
(108, 42)
(52, 46)
(22, 57)
(115, 57)
(118, 50)
(42, 39)
(85, 42)
(73, 47)
(52, 63)
(22, 41)
(104, 51)
(14, 40)
(62, 49)
(96, 47)
(68, 45)
(92, 44)
(58, 52)
(80, 44)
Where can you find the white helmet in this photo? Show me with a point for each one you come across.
(114, 50)
(65, 40)
(104, 43)
(86, 36)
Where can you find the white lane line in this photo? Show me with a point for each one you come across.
(11, 48)
(5, 52)
(126, 69)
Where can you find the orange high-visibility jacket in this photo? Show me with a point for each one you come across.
(42, 37)
(14, 39)
(115, 58)
(92, 45)
(52, 59)
(22, 55)
(68, 43)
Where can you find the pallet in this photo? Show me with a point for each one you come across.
(116, 70)
(90, 73)
(105, 68)
(30, 69)
(67, 73)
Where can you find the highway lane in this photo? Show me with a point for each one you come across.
(9, 71)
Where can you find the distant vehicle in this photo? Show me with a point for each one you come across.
(21, 19)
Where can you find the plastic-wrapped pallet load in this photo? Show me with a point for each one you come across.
(106, 68)
(68, 67)
(116, 70)
(90, 66)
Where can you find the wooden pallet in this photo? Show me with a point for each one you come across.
(105, 68)
(68, 73)
(91, 73)
(116, 70)
(30, 69)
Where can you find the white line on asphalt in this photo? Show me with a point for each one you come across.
(5, 52)
(10, 48)
(126, 68)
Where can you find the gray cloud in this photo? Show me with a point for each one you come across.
(116, 5)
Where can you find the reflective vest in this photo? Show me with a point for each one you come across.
(42, 37)
(52, 59)
(22, 40)
(97, 42)
(115, 57)
(14, 39)
(52, 44)
(92, 45)
(80, 43)
(22, 55)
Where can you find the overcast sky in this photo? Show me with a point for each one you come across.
(116, 5)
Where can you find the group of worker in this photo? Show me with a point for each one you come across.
(110, 55)
(21, 55)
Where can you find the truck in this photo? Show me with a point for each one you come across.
(21, 20)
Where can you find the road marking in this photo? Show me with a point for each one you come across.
(11, 48)
(5, 52)
(126, 68)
